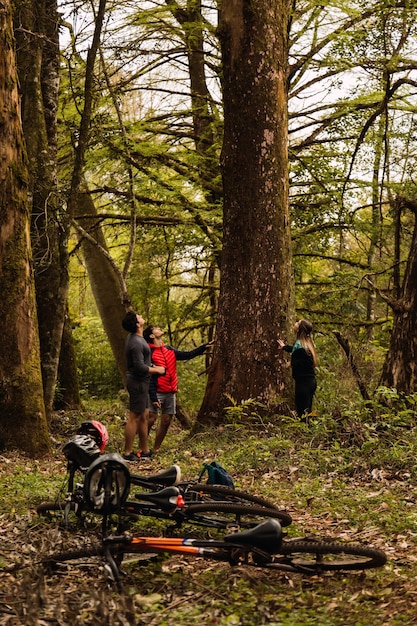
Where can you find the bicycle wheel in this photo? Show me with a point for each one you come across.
(202, 492)
(73, 555)
(106, 484)
(321, 555)
(60, 510)
(224, 515)
(49, 508)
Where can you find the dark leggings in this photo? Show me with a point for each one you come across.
(304, 393)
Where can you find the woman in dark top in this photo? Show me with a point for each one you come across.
(303, 363)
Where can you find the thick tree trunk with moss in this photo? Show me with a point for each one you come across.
(256, 287)
(400, 366)
(22, 413)
(38, 63)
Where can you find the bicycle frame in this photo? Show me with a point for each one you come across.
(262, 546)
(260, 542)
(105, 488)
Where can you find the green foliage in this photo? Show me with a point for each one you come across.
(245, 411)
(398, 402)
(191, 383)
(171, 292)
(98, 374)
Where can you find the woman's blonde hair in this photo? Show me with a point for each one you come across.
(305, 328)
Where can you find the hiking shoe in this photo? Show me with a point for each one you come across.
(145, 455)
(131, 457)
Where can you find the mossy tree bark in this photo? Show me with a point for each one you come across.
(36, 27)
(22, 412)
(256, 287)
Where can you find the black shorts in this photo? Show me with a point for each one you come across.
(138, 395)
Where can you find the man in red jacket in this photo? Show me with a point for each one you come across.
(162, 389)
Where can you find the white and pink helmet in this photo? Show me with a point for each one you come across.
(97, 431)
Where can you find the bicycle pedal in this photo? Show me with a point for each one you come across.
(110, 573)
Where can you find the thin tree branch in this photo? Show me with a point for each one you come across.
(344, 343)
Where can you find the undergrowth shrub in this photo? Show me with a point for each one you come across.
(378, 434)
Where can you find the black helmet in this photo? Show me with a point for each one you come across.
(106, 483)
(81, 450)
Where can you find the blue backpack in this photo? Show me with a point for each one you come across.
(217, 475)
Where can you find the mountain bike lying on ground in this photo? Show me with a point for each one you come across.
(261, 546)
(170, 499)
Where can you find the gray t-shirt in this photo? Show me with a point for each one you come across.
(138, 357)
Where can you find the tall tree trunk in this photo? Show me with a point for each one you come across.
(67, 395)
(22, 411)
(375, 225)
(36, 24)
(105, 284)
(204, 123)
(256, 286)
(400, 366)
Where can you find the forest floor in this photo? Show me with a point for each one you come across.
(364, 490)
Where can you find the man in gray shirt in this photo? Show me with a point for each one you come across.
(139, 370)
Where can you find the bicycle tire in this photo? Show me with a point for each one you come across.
(53, 507)
(201, 492)
(321, 555)
(60, 510)
(73, 555)
(70, 514)
(221, 493)
(213, 515)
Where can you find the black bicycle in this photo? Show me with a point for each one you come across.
(262, 546)
(195, 492)
(175, 501)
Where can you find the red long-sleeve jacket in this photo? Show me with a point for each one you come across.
(167, 356)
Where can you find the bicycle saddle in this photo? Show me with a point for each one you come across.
(167, 499)
(168, 477)
(266, 536)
